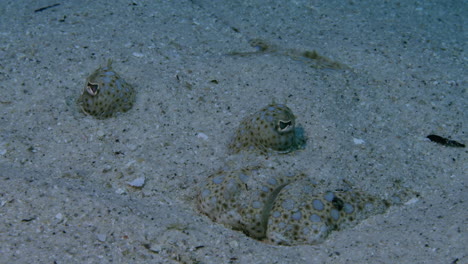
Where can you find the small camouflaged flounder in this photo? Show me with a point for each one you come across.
(106, 93)
(271, 128)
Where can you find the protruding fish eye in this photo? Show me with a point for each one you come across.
(337, 203)
(284, 126)
(92, 88)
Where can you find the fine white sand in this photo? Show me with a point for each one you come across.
(64, 196)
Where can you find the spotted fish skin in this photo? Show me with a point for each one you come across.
(272, 128)
(283, 208)
(241, 199)
(301, 216)
(105, 93)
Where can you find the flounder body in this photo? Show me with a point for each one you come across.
(300, 215)
(283, 208)
(240, 199)
(272, 128)
(106, 93)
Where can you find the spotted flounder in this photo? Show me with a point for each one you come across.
(106, 93)
(241, 199)
(272, 128)
(283, 209)
(300, 215)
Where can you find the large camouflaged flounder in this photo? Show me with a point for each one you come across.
(271, 128)
(241, 199)
(281, 208)
(105, 93)
(301, 215)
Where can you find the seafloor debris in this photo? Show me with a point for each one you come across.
(137, 183)
(45, 8)
(445, 141)
(310, 57)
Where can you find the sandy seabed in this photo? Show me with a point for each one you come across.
(64, 192)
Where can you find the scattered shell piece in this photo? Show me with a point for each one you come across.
(202, 136)
(155, 248)
(132, 147)
(138, 54)
(120, 191)
(59, 216)
(358, 141)
(412, 201)
(3, 148)
(137, 183)
(106, 168)
(101, 237)
(100, 133)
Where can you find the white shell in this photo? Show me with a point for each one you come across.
(137, 183)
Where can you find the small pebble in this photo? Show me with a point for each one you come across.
(3, 149)
(137, 183)
(132, 147)
(106, 168)
(101, 237)
(59, 216)
(202, 136)
(100, 133)
(138, 54)
(120, 191)
(412, 201)
(358, 141)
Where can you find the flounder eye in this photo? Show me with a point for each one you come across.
(337, 203)
(92, 88)
(284, 126)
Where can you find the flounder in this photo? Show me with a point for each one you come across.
(105, 93)
(272, 128)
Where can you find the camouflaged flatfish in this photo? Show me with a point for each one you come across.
(105, 93)
(301, 215)
(272, 128)
(284, 208)
(241, 199)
